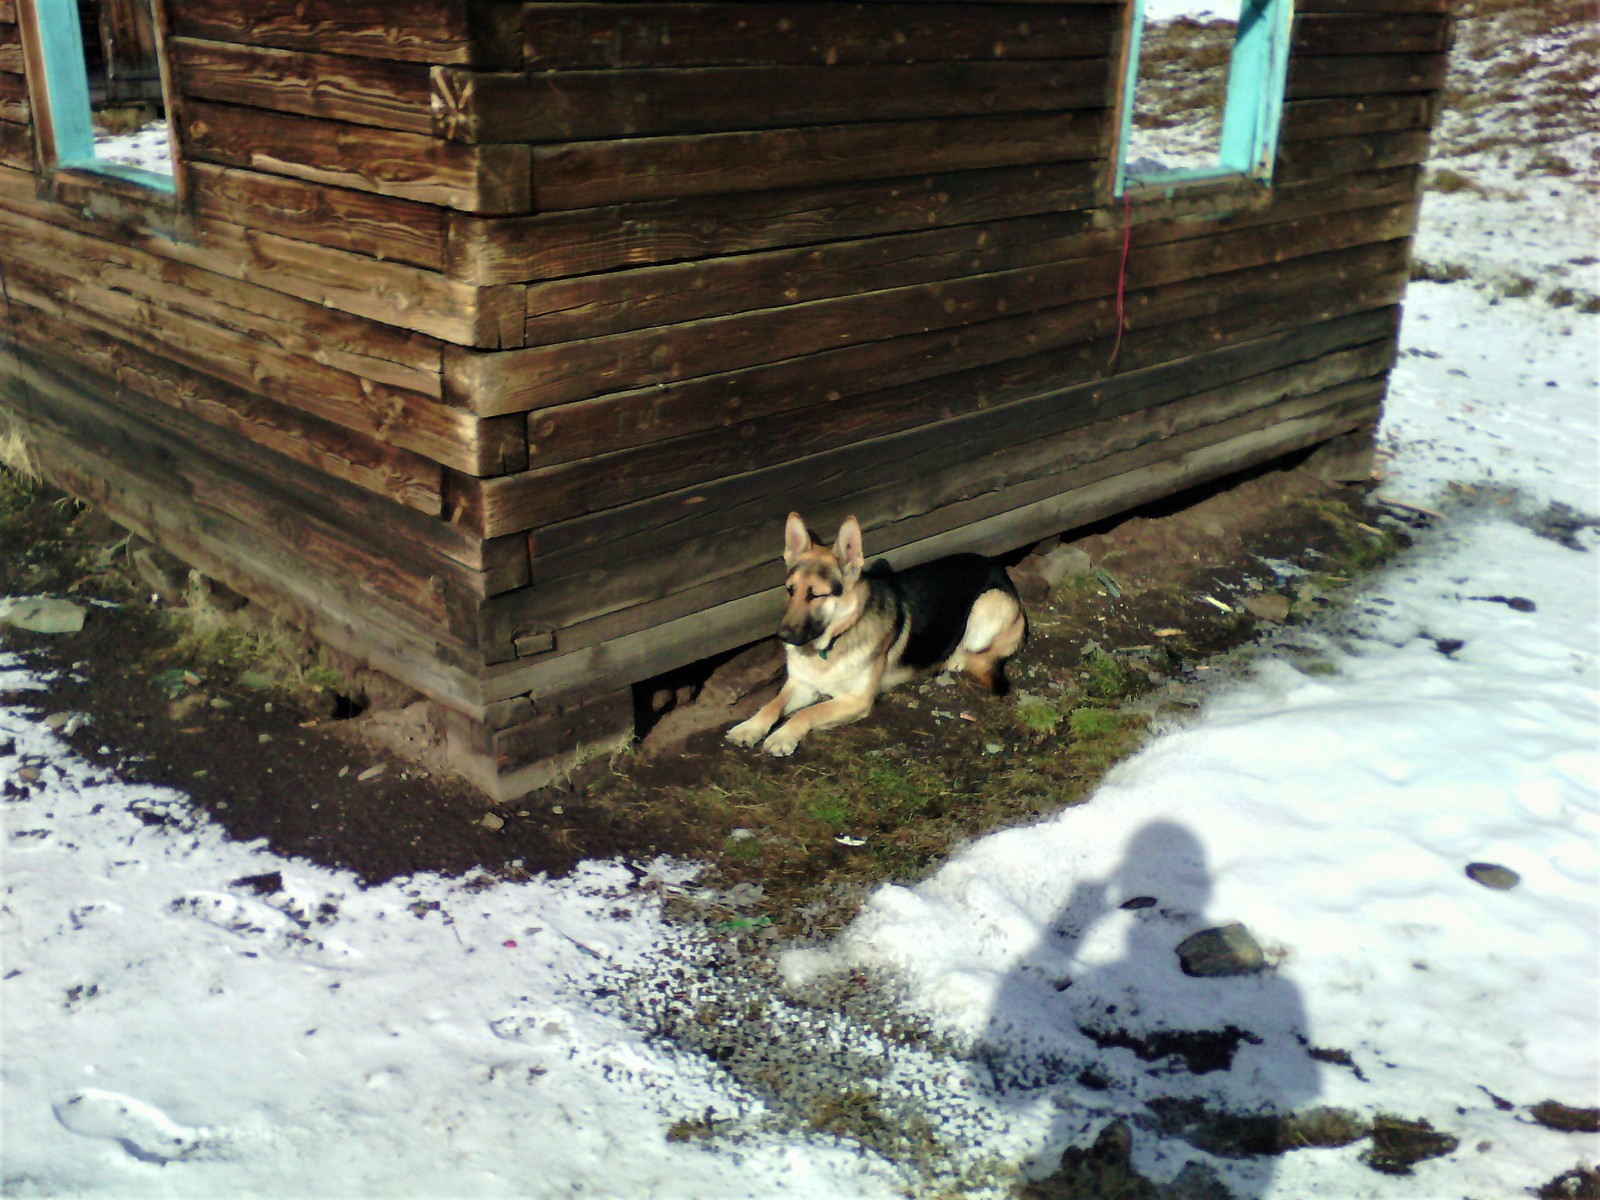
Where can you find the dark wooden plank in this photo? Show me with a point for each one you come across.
(542, 376)
(575, 105)
(14, 106)
(1034, 352)
(409, 537)
(615, 302)
(682, 35)
(586, 174)
(240, 531)
(1320, 7)
(379, 226)
(396, 294)
(540, 497)
(363, 91)
(16, 146)
(638, 417)
(11, 60)
(563, 492)
(1142, 475)
(1333, 158)
(203, 321)
(425, 31)
(397, 474)
(1356, 115)
(421, 424)
(552, 245)
(221, 288)
(1366, 33)
(1299, 361)
(1313, 77)
(484, 179)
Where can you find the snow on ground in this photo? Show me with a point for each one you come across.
(148, 148)
(186, 1016)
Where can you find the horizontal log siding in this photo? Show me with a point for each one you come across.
(529, 321)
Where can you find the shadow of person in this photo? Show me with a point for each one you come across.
(1165, 1084)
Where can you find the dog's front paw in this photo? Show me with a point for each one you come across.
(747, 733)
(783, 743)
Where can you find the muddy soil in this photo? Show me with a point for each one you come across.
(294, 766)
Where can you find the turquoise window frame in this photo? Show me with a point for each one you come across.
(1252, 114)
(66, 84)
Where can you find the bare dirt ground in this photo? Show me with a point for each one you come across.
(287, 752)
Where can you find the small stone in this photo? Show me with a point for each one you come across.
(491, 821)
(1057, 564)
(992, 747)
(185, 707)
(255, 681)
(1137, 902)
(219, 702)
(264, 738)
(1268, 606)
(1226, 950)
(741, 835)
(44, 615)
(1552, 1114)
(371, 773)
(1491, 875)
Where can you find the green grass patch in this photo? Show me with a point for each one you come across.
(1038, 716)
(1108, 677)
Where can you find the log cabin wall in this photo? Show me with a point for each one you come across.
(493, 341)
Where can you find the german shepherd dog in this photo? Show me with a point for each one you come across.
(851, 633)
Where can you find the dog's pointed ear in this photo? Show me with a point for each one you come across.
(796, 539)
(848, 547)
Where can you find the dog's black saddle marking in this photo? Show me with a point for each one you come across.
(935, 599)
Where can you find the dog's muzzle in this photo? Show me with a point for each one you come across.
(800, 635)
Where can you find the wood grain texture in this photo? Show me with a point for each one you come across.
(1313, 77)
(220, 287)
(411, 166)
(577, 105)
(1176, 464)
(361, 222)
(330, 449)
(1367, 7)
(14, 105)
(10, 45)
(362, 91)
(150, 479)
(642, 416)
(586, 174)
(425, 31)
(1367, 33)
(286, 351)
(552, 245)
(595, 582)
(16, 146)
(1370, 278)
(542, 376)
(596, 36)
(541, 496)
(1355, 116)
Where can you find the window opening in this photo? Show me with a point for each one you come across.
(1204, 90)
(103, 78)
